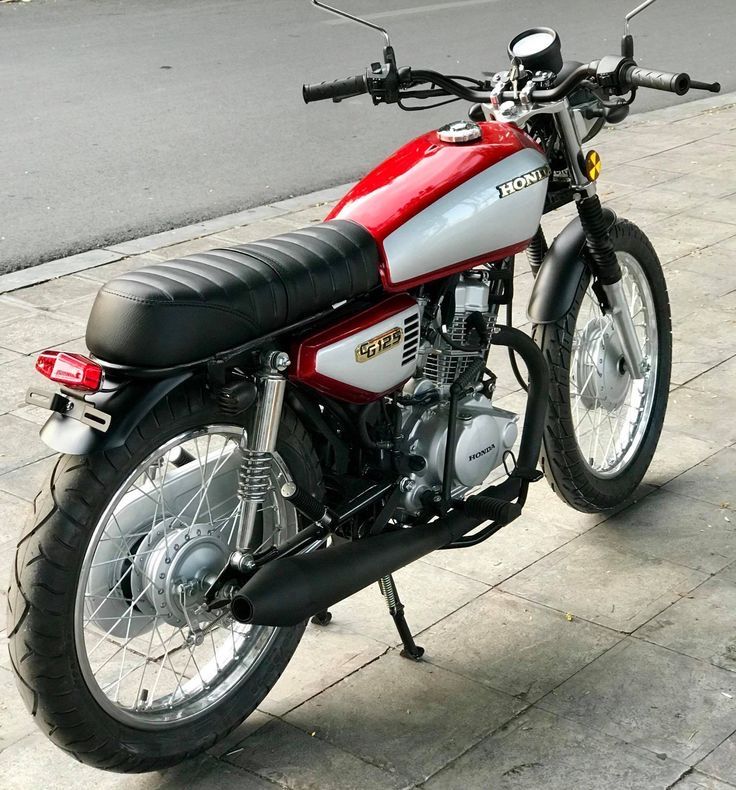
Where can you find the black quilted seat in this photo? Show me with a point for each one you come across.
(185, 310)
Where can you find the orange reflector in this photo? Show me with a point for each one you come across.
(593, 165)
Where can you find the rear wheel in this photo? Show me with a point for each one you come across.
(602, 425)
(114, 654)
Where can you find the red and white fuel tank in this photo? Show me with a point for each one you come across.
(452, 198)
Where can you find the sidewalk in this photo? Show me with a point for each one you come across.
(568, 651)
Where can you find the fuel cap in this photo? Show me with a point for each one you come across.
(459, 132)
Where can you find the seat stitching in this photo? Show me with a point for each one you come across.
(180, 303)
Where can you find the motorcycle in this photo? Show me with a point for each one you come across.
(263, 430)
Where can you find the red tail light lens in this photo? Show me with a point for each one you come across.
(72, 370)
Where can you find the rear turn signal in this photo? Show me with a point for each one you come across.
(72, 370)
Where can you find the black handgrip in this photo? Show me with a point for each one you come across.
(636, 77)
(336, 89)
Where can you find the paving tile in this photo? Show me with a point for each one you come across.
(245, 217)
(101, 274)
(53, 269)
(26, 481)
(701, 232)
(540, 750)
(321, 196)
(638, 176)
(20, 444)
(34, 756)
(38, 332)
(13, 513)
(55, 294)
(674, 528)
(544, 505)
(713, 480)
(652, 698)
(78, 310)
(11, 310)
(705, 416)
(670, 248)
(17, 377)
(428, 592)
(515, 646)
(692, 158)
(385, 715)
(693, 291)
(308, 216)
(701, 625)
(721, 762)
(696, 780)
(286, 755)
(232, 741)
(514, 547)
(8, 356)
(191, 247)
(675, 454)
(718, 381)
(255, 231)
(15, 723)
(308, 673)
(701, 341)
(592, 579)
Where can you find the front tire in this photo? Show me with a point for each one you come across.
(81, 596)
(602, 426)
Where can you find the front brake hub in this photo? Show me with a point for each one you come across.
(600, 372)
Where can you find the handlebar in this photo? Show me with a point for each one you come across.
(336, 89)
(618, 74)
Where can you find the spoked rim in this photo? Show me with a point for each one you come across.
(611, 410)
(149, 655)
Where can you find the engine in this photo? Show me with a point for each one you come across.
(452, 340)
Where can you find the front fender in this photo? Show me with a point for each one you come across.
(128, 403)
(558, 277)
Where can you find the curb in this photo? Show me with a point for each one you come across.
(51, 270)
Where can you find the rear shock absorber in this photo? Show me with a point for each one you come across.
(254, 480)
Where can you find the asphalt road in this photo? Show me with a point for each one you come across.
(123, 118)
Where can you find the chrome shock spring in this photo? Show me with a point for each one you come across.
(388, 590)
(254, 479)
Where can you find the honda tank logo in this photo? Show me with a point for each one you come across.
(522, 182)
(480, 453)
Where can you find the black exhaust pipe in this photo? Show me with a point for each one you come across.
(289, 590)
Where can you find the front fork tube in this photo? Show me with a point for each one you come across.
(257, 453)
(605, 267)
(604, 263)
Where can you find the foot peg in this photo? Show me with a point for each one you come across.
(396, 608)
(487, 508)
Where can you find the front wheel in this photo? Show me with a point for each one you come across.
(115, 655)
(602, 425)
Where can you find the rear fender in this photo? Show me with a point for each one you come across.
(558, 277)
(127, 404)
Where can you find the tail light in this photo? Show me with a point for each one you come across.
(72, 370)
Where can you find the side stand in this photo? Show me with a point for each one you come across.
(396, 608)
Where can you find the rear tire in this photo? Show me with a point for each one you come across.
(572, 475)
(43, 591)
